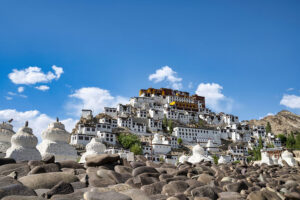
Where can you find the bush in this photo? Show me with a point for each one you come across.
(127, 140)
(282, 138)
(179, 141)
(215, 157)
(136, 149)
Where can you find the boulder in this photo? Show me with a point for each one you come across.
(205, 178)
(70, 164)
(205, 191)
(123, 169)
(16, 189)
(47, 180)
(111, 195)
(4, 161)
(174, 187)
(136, 194)
(154, 188)
(21, 169)
(143, 169)
(236, 187)
(60, 188)
(98, 160)
(16, 197)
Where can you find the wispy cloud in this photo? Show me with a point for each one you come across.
(290, 101)
(42, 87)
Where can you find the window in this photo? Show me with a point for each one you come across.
(86, 138)
(88, 129)
(80, 137)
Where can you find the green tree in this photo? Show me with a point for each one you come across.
(282, 138)
(215, 157)
(298, 141)
(136, 149)
(127, 140)
(165, 123)
(260, 143)
(179, 141)
(290, 141)
(170, 126)
(268, 128)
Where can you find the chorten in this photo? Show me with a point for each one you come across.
(198, 155)
(289, 158)
(94, 147)
(211, 147)
(23, 145)
(6, 132)
(55, 142)
(156, 139)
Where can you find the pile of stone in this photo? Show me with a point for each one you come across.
(109, 177)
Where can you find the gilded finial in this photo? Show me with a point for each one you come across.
(26, 124)
(57, 119)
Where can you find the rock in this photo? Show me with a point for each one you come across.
(145, 179)
(98, 160)
(48, 159)
(135, 164)
(97, 181)
(15, 197)
(109, 174)
(76, 195)
(22, 169)
(16, 189)
(174, 187)
(45, 169)
(47, 180)
(230, 196)
(60, 188)
(152, 164)
(111, 195)
(70, 164)
(256, 195)
(205, 191)
(6, 180)
(292, 195)
(115, 188)
(4, 161)
(136, 194)
(123, 169)
(205, 178)
(143, 169)
(269, 194)
(236, 187)
(154, 188)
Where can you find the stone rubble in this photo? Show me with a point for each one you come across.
(108, 176)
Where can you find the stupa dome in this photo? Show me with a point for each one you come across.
(23, 145)
(56, 142)
(94, 147)
(6, 132)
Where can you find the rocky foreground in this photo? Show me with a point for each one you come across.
(107, 177)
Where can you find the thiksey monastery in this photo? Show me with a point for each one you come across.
(173, 126)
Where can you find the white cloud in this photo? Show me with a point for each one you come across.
(214, 97)
(93, 98)
(8, 98)
(290, 101)
(33, 75)
(42, 87)
(12, 93)
(37, 121)
(166, 74)
(290, 89)
(270, 114)
(21, 89)
(190, 86)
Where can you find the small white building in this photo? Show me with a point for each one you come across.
(107, 137)
(154, 125)
(81, 139)
(259, 131)
(123, 109)
(86, 113)
(159, 146)
(110, 111)
(238, 151)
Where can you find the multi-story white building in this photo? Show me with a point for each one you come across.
(259, 131)
(154, 125)
(238, 151)
(194, 135)
(107, 137)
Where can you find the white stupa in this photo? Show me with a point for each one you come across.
(198, 155)
(156, 139)
(266, 159)
(289, 158)
(211, 147)
(6, 132)
(94, 147)
(183, 158)
(23, 145)
(224, 159)
(55, 142)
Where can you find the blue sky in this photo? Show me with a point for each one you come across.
(243, 54)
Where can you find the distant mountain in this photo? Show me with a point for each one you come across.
(283, 122)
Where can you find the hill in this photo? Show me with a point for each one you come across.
(283, 122)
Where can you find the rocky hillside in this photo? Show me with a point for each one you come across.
(283, 122)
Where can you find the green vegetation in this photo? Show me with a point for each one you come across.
(179, 141)
(165, 124)
(282, 138)
(136, 149)
(236, 162)
(200, 123)
(215, 157)
(255, 153)
(170, 126)
(268, 128)
(130, 141)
